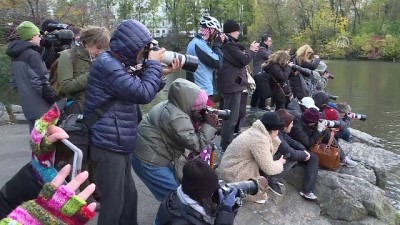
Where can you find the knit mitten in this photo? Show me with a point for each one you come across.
(42, 149)
(53, 206)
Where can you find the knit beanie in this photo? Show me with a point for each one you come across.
(199, 181)
(272, 121)
(200, 101)
(26, 30)
(231, 26)
(286, 117)
(311, 116)
(321, 98)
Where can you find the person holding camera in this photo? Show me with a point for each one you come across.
(193, 201)
(210, 57)
(261, 57)
(310, 127)
(279, 69)
(113, 136)
(167, 130)
(29, 74)
(305, 57)
(252, 152)
(232, 78)
(297, 153)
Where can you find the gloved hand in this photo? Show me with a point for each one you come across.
(321, 125)
(227, 202)
(211, 118)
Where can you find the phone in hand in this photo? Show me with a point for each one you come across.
(287, 155)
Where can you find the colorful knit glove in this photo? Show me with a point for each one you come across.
(42, 149)
(56, 206)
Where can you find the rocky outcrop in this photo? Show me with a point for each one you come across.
(349, 196)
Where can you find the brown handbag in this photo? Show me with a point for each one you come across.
(328, 154)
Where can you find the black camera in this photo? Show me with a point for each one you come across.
(331, 123)
(188, 62)
(60, 38)
(222, 114)
(361, 117)
(333, 97)
(244, 188)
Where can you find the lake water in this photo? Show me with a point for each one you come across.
(371, 88)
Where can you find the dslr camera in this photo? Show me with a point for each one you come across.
(249, 187)
(60, 38)
(358, 116)
(222, 114)
(330, 123)
(189, 62)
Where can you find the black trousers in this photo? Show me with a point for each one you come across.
(286, 168)
(117, 187)
(257, 100)
(311, 173)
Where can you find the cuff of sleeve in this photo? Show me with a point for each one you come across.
(208, 130)
(225, 208)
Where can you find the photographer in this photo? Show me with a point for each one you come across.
(29, 74)
(252, 151)
(308, 129)
(113, 136)
(210, 57)
(167, 130)
(192, 202)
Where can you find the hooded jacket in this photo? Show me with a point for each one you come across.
(108, 79)
(29, 75)
(167, 130)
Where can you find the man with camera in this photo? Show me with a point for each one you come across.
(232, 78)
(210, 57)
(182, 122)
(29, 74)
(113, 135)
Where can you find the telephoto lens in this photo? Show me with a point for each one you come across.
(189, 62)
(331, 123)
(361, 117)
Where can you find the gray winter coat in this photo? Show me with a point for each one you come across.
(30, 77)
(167, 130)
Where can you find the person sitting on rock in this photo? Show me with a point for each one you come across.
(192, 202)
(298, 153)
(296, 107)
(252, 151)
(308, 129)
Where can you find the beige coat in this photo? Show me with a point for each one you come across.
(251, 151)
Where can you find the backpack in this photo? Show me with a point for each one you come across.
(54, 82)
(263, 83)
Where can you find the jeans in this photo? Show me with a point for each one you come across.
(343, 134)
(117, 187)
(231, 102)
(160, 180)
(286, 168)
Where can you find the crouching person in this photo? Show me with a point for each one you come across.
(252, 151)
(298, 153)
(167, 130)
(192, 202)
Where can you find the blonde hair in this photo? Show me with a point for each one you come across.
(303, 54)
(98, 37)
(280, 57)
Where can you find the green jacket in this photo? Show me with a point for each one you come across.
(72, 76)
(167, 130)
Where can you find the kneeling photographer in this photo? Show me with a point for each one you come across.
(167, 130)
(196, 203)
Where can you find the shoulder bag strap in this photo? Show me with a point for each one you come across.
(98, 113)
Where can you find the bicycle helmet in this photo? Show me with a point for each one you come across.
(210, 22)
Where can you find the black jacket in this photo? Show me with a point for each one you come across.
(279, 75)
(288, 145)
(298, 90)
(173, 212)
(232, 77)
(301, 133)
(261, 56)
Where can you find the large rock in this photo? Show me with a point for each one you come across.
(381, 161)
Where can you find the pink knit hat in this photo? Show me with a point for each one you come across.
(201, 100)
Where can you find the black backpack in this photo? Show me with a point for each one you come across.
(263, 84)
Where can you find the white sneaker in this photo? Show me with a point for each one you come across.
(349, 162)
(310, 196)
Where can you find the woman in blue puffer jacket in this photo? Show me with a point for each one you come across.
(113, 135)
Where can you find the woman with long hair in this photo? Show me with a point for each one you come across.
(279, 69)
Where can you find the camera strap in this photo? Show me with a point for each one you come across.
(116, 56)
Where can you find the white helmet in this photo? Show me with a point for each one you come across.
(210, 22)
